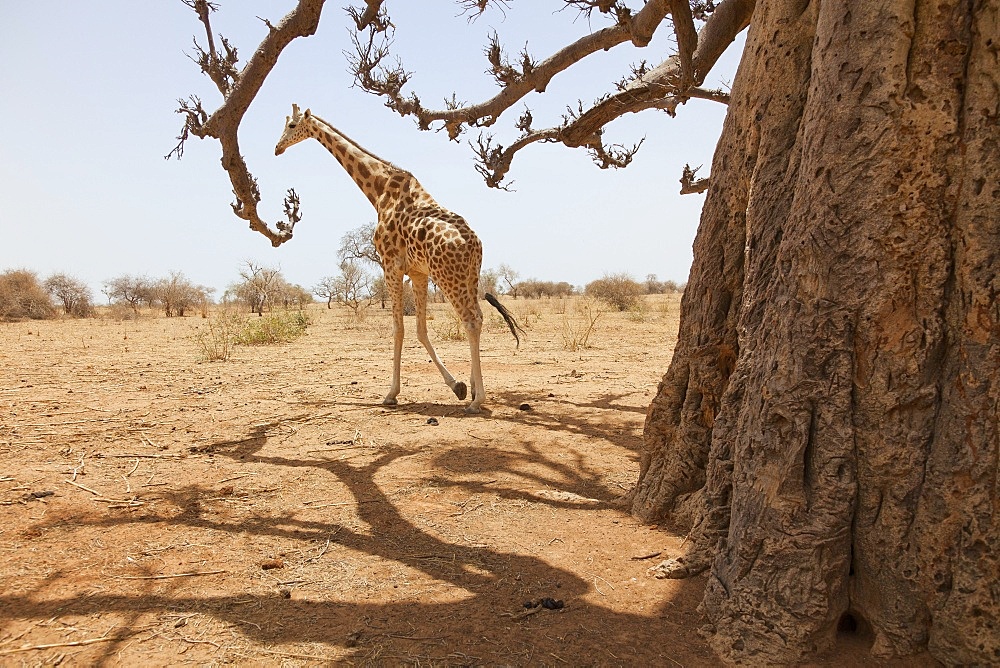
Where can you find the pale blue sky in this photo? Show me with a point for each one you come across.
(87, 98)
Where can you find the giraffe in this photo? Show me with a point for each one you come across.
(416, 237)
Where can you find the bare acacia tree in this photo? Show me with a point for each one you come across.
(358, 244)
(326, 289)
(508, 276)
(260, 286)
(72, 293)
(127, 289)
(176, 294)
(354, 286)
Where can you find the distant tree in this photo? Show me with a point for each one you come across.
(353, 287)
(290, 295)
(508, 278)
(74, 295)
(177, 295)
(258, 288)
(357, 244)
(489, 281)
(656, 287)
(380, 291)
(326, 289)
(564, 289)
(620, 290)
(533, 288)
(22, 296)
(131, 290)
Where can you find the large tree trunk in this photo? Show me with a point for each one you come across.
(829, 423)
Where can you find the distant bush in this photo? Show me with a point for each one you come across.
(176, 295)
(618, 290)
(227, 329)
(533, 289)
(656, 287)
(22, 297)
(131, 290)
(276, 327)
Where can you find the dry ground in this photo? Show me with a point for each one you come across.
(158, 509)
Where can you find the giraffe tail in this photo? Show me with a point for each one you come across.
(514, 327)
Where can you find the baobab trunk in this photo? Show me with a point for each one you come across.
(829, 424)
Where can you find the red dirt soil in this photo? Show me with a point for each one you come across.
(163, 510)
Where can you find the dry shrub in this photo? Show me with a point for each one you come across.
(578, 328)
(72, 293)
(639, 311)
(277, 327)
(527, 312)
(618, 290)
(228, 329)
(23, 297)
(120, 312)
(221, 331)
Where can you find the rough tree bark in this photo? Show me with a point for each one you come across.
(829, 423)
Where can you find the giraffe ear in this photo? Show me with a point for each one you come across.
(308, 113)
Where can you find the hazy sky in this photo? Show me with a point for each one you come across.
(87, 98)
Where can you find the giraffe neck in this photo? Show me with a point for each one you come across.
(370, 173)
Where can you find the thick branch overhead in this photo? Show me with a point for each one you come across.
(239, 88)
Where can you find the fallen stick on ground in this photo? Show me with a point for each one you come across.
(164, 577)
(75, 643)
(76, 484)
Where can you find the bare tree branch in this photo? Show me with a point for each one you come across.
(373, 15)
(239, 91)
(664, 87)
(690, 185)
(687, 39)
(638, 29)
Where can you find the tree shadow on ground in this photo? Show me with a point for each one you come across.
(487, 625)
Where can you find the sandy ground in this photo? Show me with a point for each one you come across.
(268, 510)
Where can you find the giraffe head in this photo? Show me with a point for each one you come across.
(296, 129)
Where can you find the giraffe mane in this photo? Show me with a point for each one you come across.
(358, 146)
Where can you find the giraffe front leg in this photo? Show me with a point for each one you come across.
(394, 284)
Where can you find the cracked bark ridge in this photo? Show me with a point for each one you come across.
(845, 462)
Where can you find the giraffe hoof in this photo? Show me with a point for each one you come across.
(460, 390)
(473, 410)
(389, 401)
